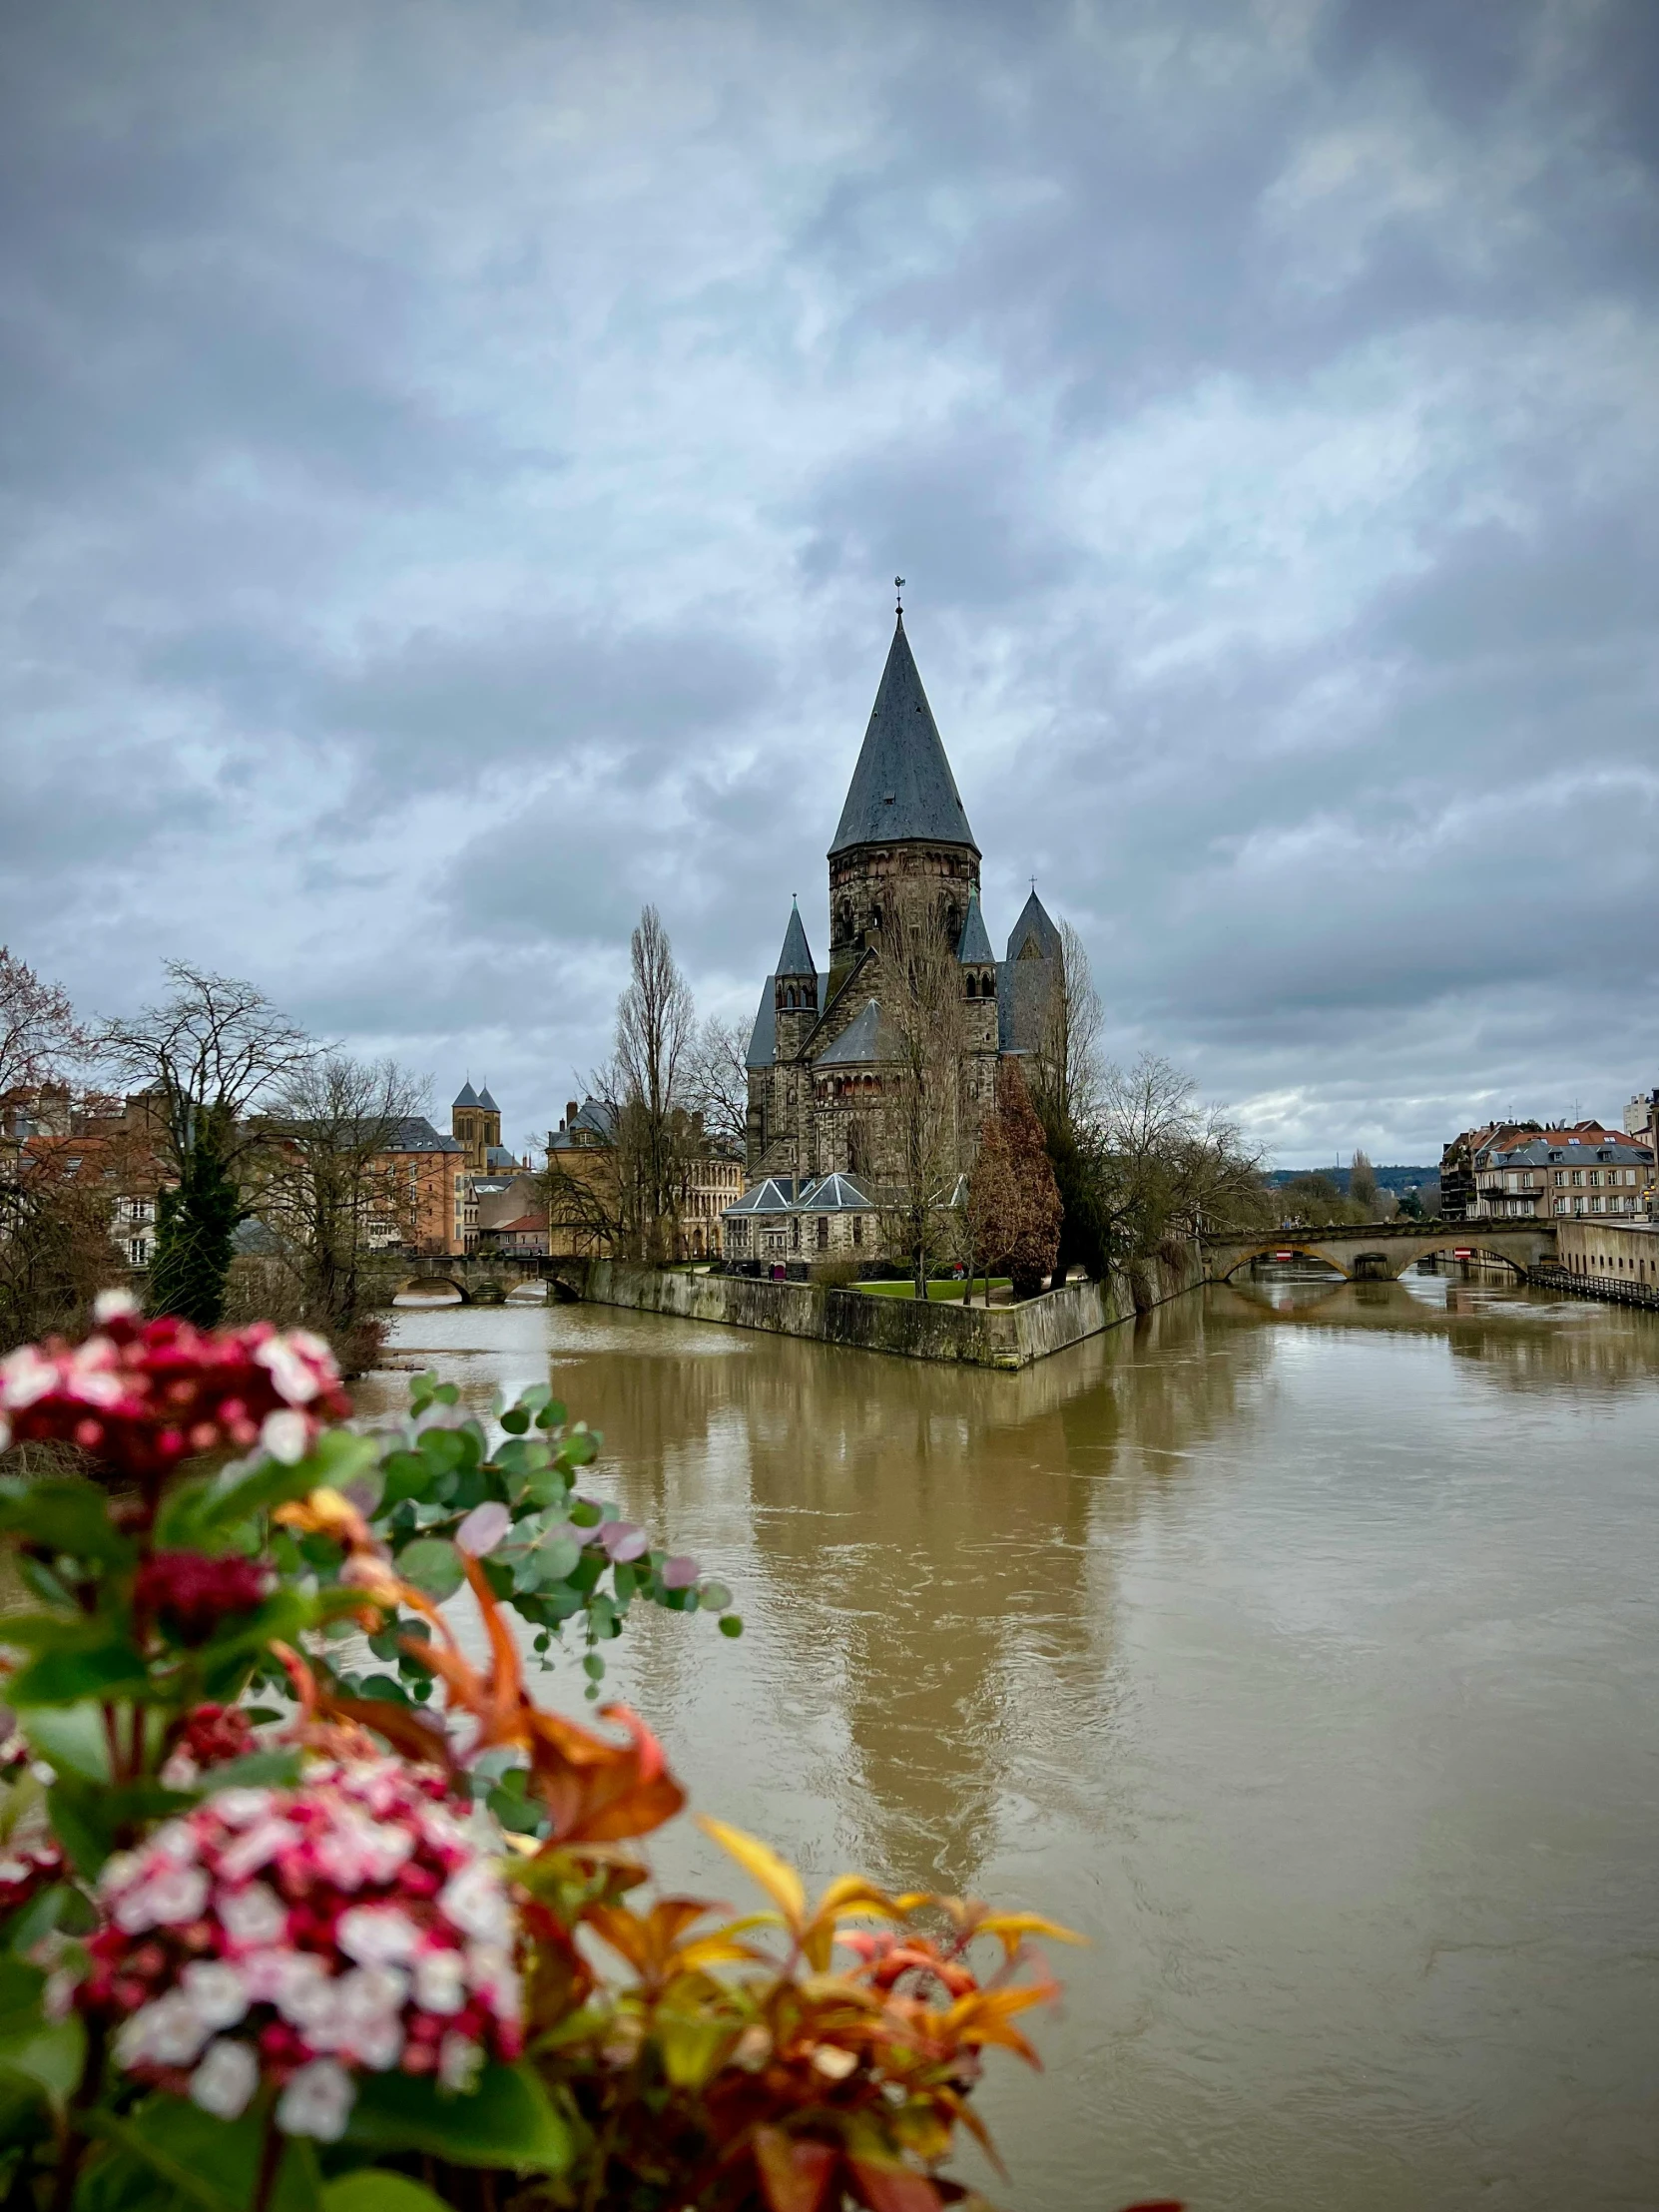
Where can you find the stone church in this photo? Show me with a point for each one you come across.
(819, 1042)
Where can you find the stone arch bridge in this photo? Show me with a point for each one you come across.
(488, 1278)
(1382, 1251)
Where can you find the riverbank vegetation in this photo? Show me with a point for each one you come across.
(307, 1903)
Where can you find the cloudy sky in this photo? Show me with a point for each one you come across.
(454, 455)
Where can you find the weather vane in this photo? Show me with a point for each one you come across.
(898, 585)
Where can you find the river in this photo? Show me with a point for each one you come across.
(1297, 1645)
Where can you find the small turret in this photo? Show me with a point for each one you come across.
(794, 989)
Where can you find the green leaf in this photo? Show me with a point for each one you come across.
(88, 1817)
(537, 1399)
(66, 1516)
(716, 1597)
(515, 1422)
(53, 1631)
(433, 1565)
(49, 2060)
(374, 2190)
(506, 2121)
(71, 1739)
(730, 1625)
(406, 1475)
(338, 1457)
(169, 2153)
(114, 1670)
(259, 1769)
(583, 1513)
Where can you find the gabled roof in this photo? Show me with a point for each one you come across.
(488, 1103)
(974, 950)
(775, 1195)
(466, 1096)
(902, 786)
(796, 957)
(836, 1194)
(864, 1041)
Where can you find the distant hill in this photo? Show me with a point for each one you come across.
(1388, 1179)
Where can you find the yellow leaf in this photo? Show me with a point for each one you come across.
(1010, 1927)
(761, 1864)
(690, 2049)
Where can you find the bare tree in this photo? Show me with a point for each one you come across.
(208, 1056)
(718, 1084)
(1362, 1187)
(38, 1029)
(1065, 1075)
(1174, 1166)
(925, 1115)
(654, 1036)
(325, 1186)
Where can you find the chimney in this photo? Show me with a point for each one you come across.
(570, 1112)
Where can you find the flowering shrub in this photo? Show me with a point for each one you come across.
(268, 1925)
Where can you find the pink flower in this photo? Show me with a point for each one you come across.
(679, 1573)
(345, 1925)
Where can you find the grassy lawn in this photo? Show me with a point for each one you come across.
(949, 1292)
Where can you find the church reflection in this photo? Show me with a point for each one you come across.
(933, 1542)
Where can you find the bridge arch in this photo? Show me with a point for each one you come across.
(414, 1284)
(1293, 1246)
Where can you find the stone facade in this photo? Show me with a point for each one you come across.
(821, 1059)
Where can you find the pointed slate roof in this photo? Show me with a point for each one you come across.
(902, 786)
(1033, 919)
(488, 1103)
(466, 1096)
(796, 957)
(763, 1038)
(975, 947)
(863, 1040)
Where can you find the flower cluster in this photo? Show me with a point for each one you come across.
(213, 1734)
(142, 1396)
(300, 1937)
(188, 1594)
(26, 1867)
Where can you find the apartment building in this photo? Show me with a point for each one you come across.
(1556, 1174)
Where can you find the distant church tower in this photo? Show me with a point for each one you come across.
(475, 1122)
(821, 1061)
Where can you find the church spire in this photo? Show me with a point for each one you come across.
(902, 789)
(796, 957)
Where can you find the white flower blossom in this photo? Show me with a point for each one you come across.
(474, 1901)
(115, 1306)
(439, 1983)
(257, 1848)
(171, 1897)
(284, 1435)
(318, 2101)
(254, 1916)
(242, 1808)
(226, 2079)
(294, 1381)
(460, 2062)
(24, 1376)
(355, 1850)
(167, 2032)
(216, 1990)
(377, 1934)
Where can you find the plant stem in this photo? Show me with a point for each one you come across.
(271, 2159)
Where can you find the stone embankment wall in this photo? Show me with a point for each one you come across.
(997, 1337)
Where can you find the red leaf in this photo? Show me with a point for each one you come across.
(794, 2173)
(893, 2188)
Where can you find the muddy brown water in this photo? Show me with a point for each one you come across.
(1297, 1645)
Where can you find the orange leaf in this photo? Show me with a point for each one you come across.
(794, 2173)
(893, 2188)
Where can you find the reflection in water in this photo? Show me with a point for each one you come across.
(1295, 1643)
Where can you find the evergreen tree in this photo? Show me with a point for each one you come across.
(196, 1225)
(1361, 1186)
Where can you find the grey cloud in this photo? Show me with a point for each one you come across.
(452, 459)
